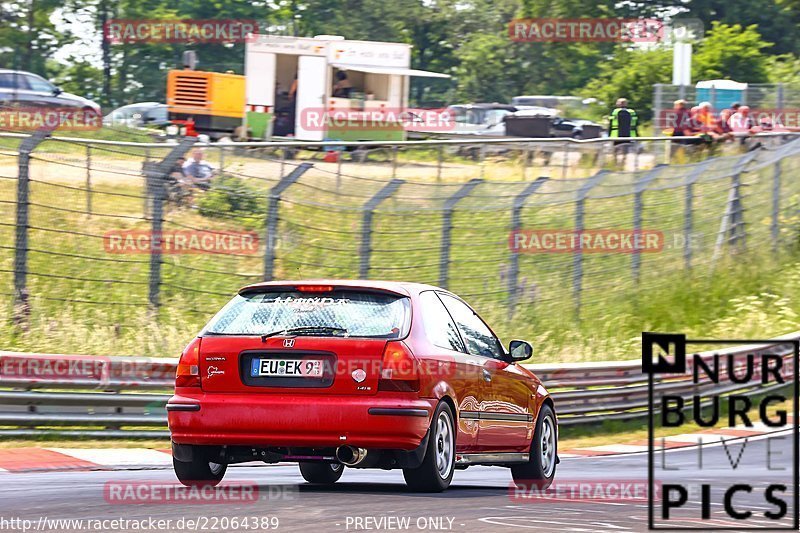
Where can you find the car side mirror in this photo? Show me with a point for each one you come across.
(519, 350)
(57, 91)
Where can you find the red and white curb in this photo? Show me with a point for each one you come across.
(13, 460)
(60, 459)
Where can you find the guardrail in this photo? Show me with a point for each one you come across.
(463, 139)
(107, 397)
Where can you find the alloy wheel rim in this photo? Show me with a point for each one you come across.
(548, 446)
(444, 445)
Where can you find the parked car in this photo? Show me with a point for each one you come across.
(25, 89)
(363, 374)
(575, 127)
(546, 101)
(478, 118)
(152, 114)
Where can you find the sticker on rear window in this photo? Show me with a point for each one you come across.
(309, 304)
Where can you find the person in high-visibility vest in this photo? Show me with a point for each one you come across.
(623, 122)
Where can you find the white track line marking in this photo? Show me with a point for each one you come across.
(118, 456)
(617, 448)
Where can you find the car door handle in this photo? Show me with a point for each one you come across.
(487, 376)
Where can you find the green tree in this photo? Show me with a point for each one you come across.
(28, 36)
(777, 20)
(731, 52)
(631, 73)
(784, 68)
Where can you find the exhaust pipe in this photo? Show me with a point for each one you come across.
(350, 455)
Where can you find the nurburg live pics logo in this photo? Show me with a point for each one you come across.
(758, 488)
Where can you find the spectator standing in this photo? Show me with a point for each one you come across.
(623, 122)
(740, 122)
(681, 125)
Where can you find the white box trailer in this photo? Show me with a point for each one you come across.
(377, 72)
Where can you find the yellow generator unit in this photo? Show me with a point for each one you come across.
(212, 102)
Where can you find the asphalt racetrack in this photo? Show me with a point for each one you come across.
(479, 499)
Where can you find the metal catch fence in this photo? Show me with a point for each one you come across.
(99, 233)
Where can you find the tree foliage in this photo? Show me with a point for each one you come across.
(746, 40)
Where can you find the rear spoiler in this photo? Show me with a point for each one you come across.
(318, 288)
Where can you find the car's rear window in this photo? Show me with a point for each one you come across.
(358, 313)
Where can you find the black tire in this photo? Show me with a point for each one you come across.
(201, 471)
(321, 473)
(436, 471)
(538, 472)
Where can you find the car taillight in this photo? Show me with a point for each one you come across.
(314, 288)
(188, 374)
(400, 370)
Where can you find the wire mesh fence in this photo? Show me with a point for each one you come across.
(99, 234)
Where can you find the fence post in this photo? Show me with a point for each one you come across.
(738, 232)
(526, 159)
(732, 222)
(89, 180)
(156, 174)
(776, 205)
(658, 98)
(482, 165)
(439, 161)
(516, 225)
(447, 228)
(271, 227)
(688, 211)
(577, 256)
(26, 147)
(366, 225)
(638, 205)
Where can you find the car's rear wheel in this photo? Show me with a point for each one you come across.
(540, 469)
(201, 470)
(436, 471)
(321, 473)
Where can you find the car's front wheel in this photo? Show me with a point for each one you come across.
(540, 469)
(321, 473)
(201, 470)
(436, 471)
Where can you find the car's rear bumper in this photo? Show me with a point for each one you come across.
(298, 421)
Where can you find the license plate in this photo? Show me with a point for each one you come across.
(311, 368)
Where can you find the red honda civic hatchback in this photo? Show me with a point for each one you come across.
(364, 374)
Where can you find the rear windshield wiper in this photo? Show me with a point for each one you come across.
(306, 330)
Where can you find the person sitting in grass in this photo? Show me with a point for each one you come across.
(198, 171)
